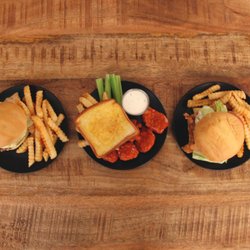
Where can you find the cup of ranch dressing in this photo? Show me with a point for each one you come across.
(135, 101)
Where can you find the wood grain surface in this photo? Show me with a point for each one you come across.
(168, 46)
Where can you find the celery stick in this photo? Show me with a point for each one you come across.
(108, 86)
(119, 85)
(100, 87)
(114, 88)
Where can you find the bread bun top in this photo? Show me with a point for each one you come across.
(219, 136)
(13, 124)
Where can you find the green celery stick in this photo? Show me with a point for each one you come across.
(114, 88)
(100, 87)
(108, 86)
(119, 86)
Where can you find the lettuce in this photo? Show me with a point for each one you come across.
(200, 157)
(203, 112)
(220, 107)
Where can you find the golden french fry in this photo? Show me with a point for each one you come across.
(28, 99)
(225, 99)
(245, 104)
(82, 143)
(61, 135)
(38, 146)
(105, 96)
(51, 111)
(247, 132)
(240, 93)
(206, 92)
(24, 107)
(241, 102)
(45, 136)
(80, 108)
(217, 95)
(23, 148)
(241, 152)
(31, 152)
(60, 119)
(198, 103)
(50, 132)
(85, 102)
(39, 99)
(45, 111)
(45, 156)
(90, 98)
(237, 108)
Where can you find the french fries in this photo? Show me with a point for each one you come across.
(38, 146)
(90, 98)
(51, 111)
(246, 132)
(61, 135)
(39, 99)
(23, 148)
(80, 108)
(41, 139)
(31, 152)
(82, 143)
(239, 109)
(45, 111)
(105, 96)
(226, 98)
(60, 119)
(45, 136)
(85, 102)
(206, 92)
(28, 99)
(198, 103)
(45, 155)
(217, 95)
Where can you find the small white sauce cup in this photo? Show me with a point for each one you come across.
(135, 101)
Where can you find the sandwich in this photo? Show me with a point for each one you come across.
(215, 134)
(105, 126)
(13, 126)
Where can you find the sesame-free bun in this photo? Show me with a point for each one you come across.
(219, 136)
(13, 126)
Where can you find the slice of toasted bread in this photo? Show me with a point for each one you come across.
(105, 126)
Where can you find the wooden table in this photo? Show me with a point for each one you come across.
(168, 46)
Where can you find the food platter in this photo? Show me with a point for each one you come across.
(180, 129)
(159, 138)
(10, 160)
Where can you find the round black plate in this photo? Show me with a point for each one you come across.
(142, 157)
(181, 131)
(18, 163)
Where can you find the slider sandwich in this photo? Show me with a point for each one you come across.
(215, 134)
(13, 126)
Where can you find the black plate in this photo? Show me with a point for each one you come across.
(142, 157)
(19, 162)
(181, 131)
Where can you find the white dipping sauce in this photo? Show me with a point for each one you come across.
(135, 101)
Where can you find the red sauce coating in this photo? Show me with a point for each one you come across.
(145, 141)
(155, 120)
(111, 157)
(128, 151)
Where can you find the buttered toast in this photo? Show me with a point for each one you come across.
(105, 126)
